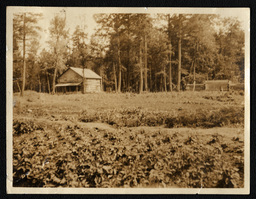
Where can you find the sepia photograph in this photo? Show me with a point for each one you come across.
(128, 100)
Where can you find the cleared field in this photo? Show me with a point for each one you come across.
(187, 139)
(149, 101)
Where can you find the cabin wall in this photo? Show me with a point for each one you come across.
(68, 89)
(92, 85)
(198, 87)
(70, 77)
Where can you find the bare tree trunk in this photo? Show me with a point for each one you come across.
(146, 67)
(54, 79)
(141, 69)
(150, 77)
(18, 85)
(119, 79)
(128, 61)
(83, 90)
(194, 82)
(56, 65)
(179, 67)
(161, 84)
(191, 67)
(24, 58)
(170, 67)
(119, 67)
(123, 81)
(114, 71)
(165, 84)
(155, 85)
(170, 54)
(48, 83)
(39, 89)
(128, 70)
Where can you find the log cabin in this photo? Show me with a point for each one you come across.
(72, 81)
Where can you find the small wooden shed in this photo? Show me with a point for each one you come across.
(72, 80)
(217, 85)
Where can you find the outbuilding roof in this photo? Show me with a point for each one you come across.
(216, 81)
(87, 73)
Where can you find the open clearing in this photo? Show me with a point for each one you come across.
(187, 139)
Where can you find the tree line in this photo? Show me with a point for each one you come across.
(131, 52)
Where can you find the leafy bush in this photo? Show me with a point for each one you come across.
(23, 127)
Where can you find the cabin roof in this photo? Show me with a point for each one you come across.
(87, 73)
(216, 81)
(67, 84)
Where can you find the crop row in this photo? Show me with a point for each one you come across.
(134, 117)
(77, 157)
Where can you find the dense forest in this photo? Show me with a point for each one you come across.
(131, 52)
